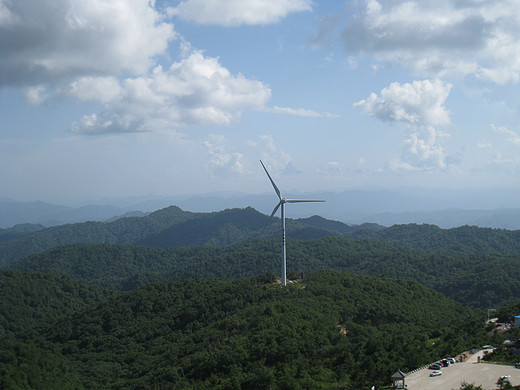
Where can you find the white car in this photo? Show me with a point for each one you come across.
(436, 373)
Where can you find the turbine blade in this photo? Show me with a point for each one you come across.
(272, 182)
(302, 200)
(276, 208)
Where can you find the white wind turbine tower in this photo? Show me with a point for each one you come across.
(282, 203)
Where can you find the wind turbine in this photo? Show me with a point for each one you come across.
(282, 203)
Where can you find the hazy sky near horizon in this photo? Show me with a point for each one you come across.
(133, 97)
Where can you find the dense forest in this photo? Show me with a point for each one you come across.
(463, 239)
(27, 299)
(330, 330)
(477, 280)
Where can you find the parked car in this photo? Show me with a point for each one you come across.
(450, 360)
(517, 365)
(436, 373)
(435, 367)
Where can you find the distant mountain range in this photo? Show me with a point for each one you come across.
(165, 228)
(174, 244)
(445, 209)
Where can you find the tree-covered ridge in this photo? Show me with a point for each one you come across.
(172, 227)
(165, 228)
(464, 239)
(222, 228)
(478, 280)
(332, 330)
(124, 230)
(27, 299)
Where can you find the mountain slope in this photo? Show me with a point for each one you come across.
(124, 230)
(333, 330)
(464, 239)
(479, 280)
(27, 299)
(218, 229)
(164, 228)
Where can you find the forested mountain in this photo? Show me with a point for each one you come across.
(478, 280)
(166, 228)
(216, 229)
(464, 239)
(125, 230)
(332, 330)
(27, 299)
(171, 227)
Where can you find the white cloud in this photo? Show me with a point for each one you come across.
(93, 89)
(224, 160)
(421, 102)
(420, 105)
(334, 167)
(237, 12)
(195, 90)
(35, 95)
(436, 38)
(296, 111)
(423, 151)
(48, 40)
(513, 137)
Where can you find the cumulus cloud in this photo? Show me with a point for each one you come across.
(420, 106)
(237, 12)
(224, 160)
(195, 90)
(47, 40)
(421, 102)
(93, 89)
(423, 150)
(436, 38)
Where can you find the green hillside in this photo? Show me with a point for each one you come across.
(332, 330)
(164, 228)
(216, 229)
(464, 239)
(27, 299)
(478, 280)
(121, 231)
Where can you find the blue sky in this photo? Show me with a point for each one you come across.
(103, 99)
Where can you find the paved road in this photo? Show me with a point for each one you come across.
(483, 374)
